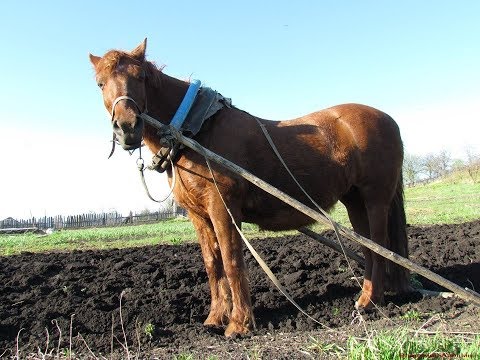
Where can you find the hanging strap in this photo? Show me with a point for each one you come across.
(141, 168)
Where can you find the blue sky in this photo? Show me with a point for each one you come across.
(416, 60)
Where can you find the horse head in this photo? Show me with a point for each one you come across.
(122, 78)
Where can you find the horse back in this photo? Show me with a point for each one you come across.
(327, 151)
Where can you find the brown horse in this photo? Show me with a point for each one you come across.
(352, 153)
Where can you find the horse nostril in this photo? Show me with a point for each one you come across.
(121, 126)
(138, 122)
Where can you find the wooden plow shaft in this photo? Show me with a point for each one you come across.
(333, 245)
(361, 261)
(465, 294)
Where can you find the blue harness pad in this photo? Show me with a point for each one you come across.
(206, 104)
(185, 105)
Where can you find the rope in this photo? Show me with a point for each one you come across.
(323, 212)
(141, 168)
(258, 258)
(376, 248)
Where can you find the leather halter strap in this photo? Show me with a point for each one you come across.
(124, 97)
(112, 112)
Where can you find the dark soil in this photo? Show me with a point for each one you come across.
(166, 286)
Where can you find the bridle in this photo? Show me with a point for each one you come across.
(164, 158)
(159, 157)
(125, 97)
(112, 118)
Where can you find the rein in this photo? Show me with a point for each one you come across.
(161, 157)
(141, 168)
(165, 156)
(333, 224)
(171, 131)
(112, 112)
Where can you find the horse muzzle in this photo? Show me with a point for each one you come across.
(129, 134)
(126, 146)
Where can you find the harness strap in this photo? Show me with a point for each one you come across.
(124, 97)
(164, 158)
(114, 140)
(259, 259)
(141, 168)
(324, 213)
(112, 113)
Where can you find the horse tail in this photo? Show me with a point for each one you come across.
(398, 278)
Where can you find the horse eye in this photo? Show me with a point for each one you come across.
(100, 85)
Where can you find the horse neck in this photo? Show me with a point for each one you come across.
(163, 98)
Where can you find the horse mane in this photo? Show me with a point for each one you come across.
(112, 59)
(153, 73)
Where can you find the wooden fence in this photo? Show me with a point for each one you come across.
(90, 220)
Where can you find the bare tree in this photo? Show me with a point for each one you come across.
(458, 164)
(473, 164)
(412, 168)
(430, 166)
(436, 165)
(444, 161)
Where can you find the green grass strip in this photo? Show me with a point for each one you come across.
(401, 344)
(454, 199)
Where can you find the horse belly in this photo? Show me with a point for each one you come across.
(324, 182)
(272, 214)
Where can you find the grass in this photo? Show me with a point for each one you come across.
(411, 315)
(402, 344)
(450, 200)
(326, 348)
(173, 232)
(169, 232)
(453, 199)
(398, 344)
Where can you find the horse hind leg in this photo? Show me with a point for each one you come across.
(374, 286)
(368, 213)
(221, 301)
(398, 278)
(384, 223)
(357, 213)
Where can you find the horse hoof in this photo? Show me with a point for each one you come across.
(215, 320)
(361, 306)
(363, 302)
(235, 330)
(213, 329)
(366, 303)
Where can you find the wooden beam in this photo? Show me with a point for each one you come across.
(333, 245)
(465, 294)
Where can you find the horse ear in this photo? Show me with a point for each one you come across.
(94, 59)
(139, 51)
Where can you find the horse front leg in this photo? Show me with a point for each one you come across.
(221, 302)
(241, 319)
